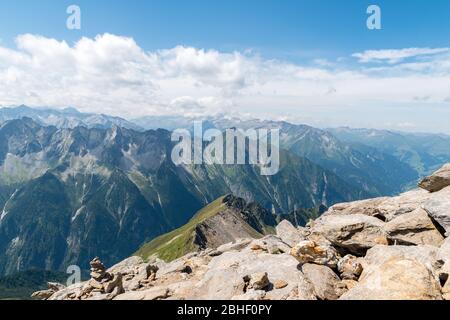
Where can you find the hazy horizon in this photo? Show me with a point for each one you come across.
(315, 63)
(248, 118)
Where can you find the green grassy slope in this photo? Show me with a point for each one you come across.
(180, 241)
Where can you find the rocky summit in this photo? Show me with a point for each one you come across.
(395, 248)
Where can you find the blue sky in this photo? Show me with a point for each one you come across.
(291, 29)
(311, 61)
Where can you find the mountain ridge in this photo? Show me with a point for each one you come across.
(225, 220)
(388, 248)
(105, 192)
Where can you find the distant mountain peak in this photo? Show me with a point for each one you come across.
(68, 117)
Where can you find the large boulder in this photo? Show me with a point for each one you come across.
(288, 233)
(438, 180)
(367, 207)
(438, 207)
(398, 273)
(43, 294)
(404, 203)
(398, 278)
(424, 254)
(227, 276)
(413, 228)
(271, 244)
(237, 245)
(129, 265)
(327, 285)
(71, 292)
(385, 208)
(355, 233)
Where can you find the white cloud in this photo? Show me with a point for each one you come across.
(112, 74)
(395, 56)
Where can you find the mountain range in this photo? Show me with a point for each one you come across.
(70, 194)
(65, 118)
(75, 185)
(389, 248)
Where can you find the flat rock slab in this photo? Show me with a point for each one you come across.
(355, 233)
(225, 276)
(413, 228)
(288, 233)
(438, 207)
(438, 180)
(398, 273)
(324, 280)
(396, 279)
(156, 293)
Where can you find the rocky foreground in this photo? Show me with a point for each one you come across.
(383, 248)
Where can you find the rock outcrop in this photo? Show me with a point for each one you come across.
(413, 228)
(355, 233)
(288, 233)
(387, 248)
(438, 180)
(45, 294)
(437, 207)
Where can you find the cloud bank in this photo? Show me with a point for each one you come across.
(395, 56)
(113, 74)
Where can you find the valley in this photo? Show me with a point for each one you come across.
(73, 190)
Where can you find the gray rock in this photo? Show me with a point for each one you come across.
(127, 266)
(43, 294)
(404, 203)
(438, 180)
(425, 254)
(324, 280)
(438, 207)
(175, 266)
(367, 207)
(234, 246)
(444, 251)
(273, 244)
(288, 233)
(413, 228)
(224, 276)
(386, 208)
(147, 272)
(55, 286)
(398, 278)
(114, 285)
(156, 293)
(356, 233)
(71, 291)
